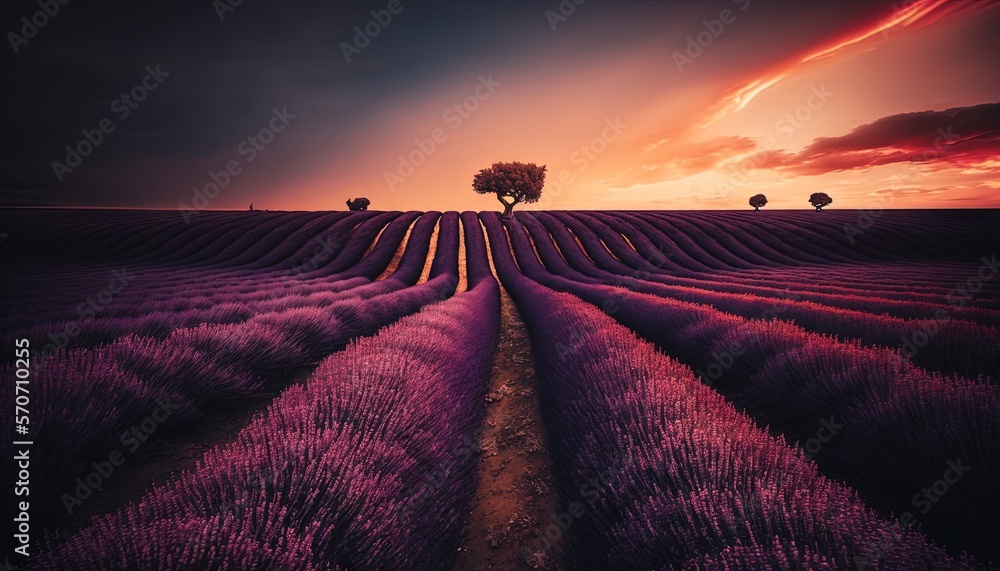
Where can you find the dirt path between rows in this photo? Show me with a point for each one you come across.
(515, 495)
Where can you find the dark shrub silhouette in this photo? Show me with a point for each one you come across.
(819, 200)
(358, 203)
(519, 182)
(757, 201)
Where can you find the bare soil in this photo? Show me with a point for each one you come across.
(515, 496)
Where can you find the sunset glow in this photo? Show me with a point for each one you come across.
(677, 106)
(557, 284)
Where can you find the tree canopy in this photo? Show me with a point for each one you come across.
(758, 201)
(519, 182)
(360, 203)
(819, 200)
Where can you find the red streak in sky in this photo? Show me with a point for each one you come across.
(918, 13)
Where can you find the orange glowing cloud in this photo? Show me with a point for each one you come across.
(966, 137)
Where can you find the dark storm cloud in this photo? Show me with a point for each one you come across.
(957, 136)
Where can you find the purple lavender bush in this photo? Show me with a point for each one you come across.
(666, 474)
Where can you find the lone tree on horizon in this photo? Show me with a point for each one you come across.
(819, 200)
(758, 201)
(358, 204)
(520, 182)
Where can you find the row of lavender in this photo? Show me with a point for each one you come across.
(724, 240)
(139, 237)
(923, 286)
(716, 242)
(946, 344)
(730, 241)
(146, 313)
(899, 429)
(89, 398)
(162, 292)
(823, 277)
(369, 465)
(175, 285)
(891, 285)
(658, 471)
(83, 258)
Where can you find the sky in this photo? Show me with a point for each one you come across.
(630, 104)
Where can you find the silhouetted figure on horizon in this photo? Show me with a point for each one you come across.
(358, 204)
(251, 207)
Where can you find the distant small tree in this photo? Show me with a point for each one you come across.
(519, 182)
(758, 201)
(819, 200)
(358, 203)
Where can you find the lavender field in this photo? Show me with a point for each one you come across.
(561, 390)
